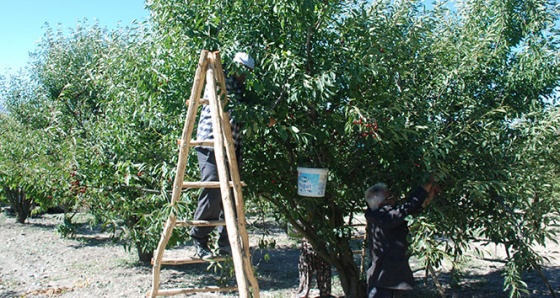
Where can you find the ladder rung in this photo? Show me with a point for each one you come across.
(357, 252)
(202, 101)
(210, 184)
(358, 237)
(200, 223)
(202, 143)
(189, 260)
(194, 143)
(172, 292)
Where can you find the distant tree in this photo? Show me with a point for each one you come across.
(30, 159)
(13, 169)
(132, 154)
(102, 99)
(105, 88)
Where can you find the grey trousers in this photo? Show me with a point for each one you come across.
(210, 200)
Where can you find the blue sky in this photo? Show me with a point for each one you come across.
(22, 22)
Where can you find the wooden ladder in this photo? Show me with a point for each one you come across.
(210, 67)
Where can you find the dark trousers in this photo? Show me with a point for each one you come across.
(385, 293)
(210, 200)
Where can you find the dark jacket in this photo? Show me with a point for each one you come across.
(387, 232)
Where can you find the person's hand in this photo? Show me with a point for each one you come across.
(271, 122)
(429, 184)
(431, 189)
(430, 197)
(391, 200)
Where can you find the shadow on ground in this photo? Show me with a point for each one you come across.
(278, 271)
(488, 285)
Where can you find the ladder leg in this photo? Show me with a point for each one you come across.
(180, 171)
(240, 212)
(168, 230)
(189, 127)
(229, 213)
(236, 179)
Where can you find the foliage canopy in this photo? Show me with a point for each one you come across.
(374, 91)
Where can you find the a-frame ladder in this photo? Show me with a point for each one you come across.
(210, 67)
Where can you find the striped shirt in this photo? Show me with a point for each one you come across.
(204, 131)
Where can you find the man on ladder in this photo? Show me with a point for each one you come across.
(210, 200)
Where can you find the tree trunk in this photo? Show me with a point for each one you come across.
(19, 202)
(348, 271)
(338, 253)
(144, 256)
(349, 274)
(342, 258)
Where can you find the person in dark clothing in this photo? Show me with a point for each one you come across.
(210, 200)
(390, 274)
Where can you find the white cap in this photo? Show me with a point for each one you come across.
(244, 59)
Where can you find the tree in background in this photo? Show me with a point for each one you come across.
(15, 168)
(111, 92)
(133, 159)
(33, 161)
(96, 98)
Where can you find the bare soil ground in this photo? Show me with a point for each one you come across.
(37, 262)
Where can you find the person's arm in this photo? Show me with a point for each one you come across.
(392, 217)
(431, 189)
